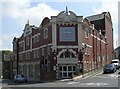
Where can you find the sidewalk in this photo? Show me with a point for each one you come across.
(91, 73)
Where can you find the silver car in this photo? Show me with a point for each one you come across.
(109, 68)
(20, 78)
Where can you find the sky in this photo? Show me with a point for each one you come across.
(15, 14)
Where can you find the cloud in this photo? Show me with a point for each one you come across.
(21, 11)
(112, 7)
(6, 41)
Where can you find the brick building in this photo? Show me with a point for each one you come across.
(53, 50)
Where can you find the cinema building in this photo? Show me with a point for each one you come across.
(53, 49)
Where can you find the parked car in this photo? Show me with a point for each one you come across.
(116, 62)
(109, 68)
(119, 72)
(20, 78)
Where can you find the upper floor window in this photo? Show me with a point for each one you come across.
(42, 51)
(21, 44)
(67, 54)
(36, 53)
(48, 49)
(45, 33)
(86, 32)
(27, 41)
(36, 38)
(27, 55)
(14, 46)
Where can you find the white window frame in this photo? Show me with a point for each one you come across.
(28, 41)
(43, 51)
(37, 53)
(86, 32)
(14, 45)
(34, 53)
(38, 38)
(45, 33)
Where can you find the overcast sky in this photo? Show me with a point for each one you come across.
(16, 13)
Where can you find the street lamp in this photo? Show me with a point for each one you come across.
(100, 47)
(106, 48)
(80, 58)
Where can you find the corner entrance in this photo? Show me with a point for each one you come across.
(66, 71)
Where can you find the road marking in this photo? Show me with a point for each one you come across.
(73, 82)
(94, 84)
(89, 84)
(113, 75)
(92, 75)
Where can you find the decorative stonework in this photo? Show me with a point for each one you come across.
(27, 29)
(66, 16)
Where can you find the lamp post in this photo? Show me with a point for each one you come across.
(93, 45)
(100, 48)
(106, 48)
(80, 58)
(54, 63)
(17, 45)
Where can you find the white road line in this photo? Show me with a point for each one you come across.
(73, 82)
(89, 84)
(94, 84)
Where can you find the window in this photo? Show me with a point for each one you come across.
(70, 74)
(27, 55)
(34, 52)
(27, 41)
(72, 55)
(65, 68)
(48, 49)
(45, 61)
(42, 51)
(88, 50)
(45, 33)
(62, 55)
(37, 38)
(14, 45)
(65, 74)
(73, 68)
(20, 56)
(37, 54)
(86, 33)
(67, 54)
(69, 68)
(60, 68)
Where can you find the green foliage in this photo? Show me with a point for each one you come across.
(7, 53)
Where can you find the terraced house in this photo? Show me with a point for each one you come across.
(63, 46)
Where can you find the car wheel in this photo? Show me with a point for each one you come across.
(113, 70)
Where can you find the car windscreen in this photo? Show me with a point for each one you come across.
(18, 76)
(108, 66)
(114, 62)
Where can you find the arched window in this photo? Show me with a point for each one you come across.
(67, 54)
(45, 33)
(86, 32)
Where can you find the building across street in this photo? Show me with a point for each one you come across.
(63, 46)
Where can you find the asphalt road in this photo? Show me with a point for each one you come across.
(107, 81)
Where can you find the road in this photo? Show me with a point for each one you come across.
(99, 80)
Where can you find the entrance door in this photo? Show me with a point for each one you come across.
(66, 71)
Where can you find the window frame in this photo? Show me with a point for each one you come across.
(86, 33)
